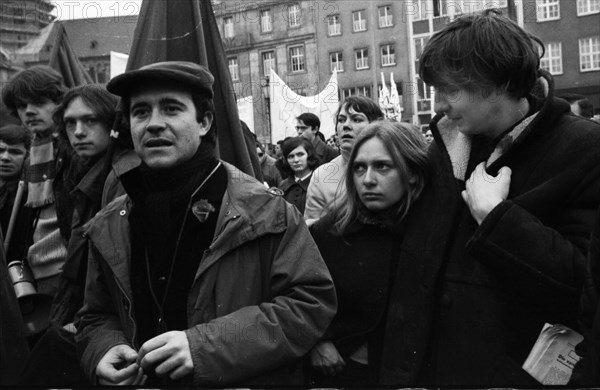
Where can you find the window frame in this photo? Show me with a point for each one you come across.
(235, 75)
(393, 54)
(547, 6)
(339, 55)
(363, 20)
(228, 29)
(591, 54)
(551, 55)
(386, 16)
(265, 71)
(297, 18)
(588, 5)
(301, 56)
(364, 59)
(269, 13)
(338, 24)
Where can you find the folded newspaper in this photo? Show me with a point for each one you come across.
(552, 358)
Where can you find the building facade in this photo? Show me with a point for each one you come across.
(22, 20)
(264, 35)
(363, 40)
(570, 31)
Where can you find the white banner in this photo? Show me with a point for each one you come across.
(286, 105)
(118, 63)
(246, 111)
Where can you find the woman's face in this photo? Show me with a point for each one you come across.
(376, 178)
(297, 160)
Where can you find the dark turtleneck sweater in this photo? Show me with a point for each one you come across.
(167, 239)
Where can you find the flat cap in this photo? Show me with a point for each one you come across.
(194, 76)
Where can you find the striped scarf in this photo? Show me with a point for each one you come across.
(41, 172)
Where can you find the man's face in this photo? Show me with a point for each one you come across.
(164, 128)
(471, 112)
(88, 136)
(12, 158)
(349, 125)
(37, 116)
(305, 131)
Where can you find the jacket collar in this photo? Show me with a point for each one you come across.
(246, 213)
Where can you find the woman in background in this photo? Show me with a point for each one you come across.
(359, 240)
(299, 160)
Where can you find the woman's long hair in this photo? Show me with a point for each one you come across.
(408, 150)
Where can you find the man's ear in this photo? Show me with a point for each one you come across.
(316, 129)
(205, 123)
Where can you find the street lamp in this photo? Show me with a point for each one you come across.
(267, 103)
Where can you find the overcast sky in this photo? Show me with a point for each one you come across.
(84, 9)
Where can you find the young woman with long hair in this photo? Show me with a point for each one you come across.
(359, 240)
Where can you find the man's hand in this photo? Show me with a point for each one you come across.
(118, 367)
(326, 358)
(483, 192)
(169, 353)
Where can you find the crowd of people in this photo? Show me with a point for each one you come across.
(379, 257)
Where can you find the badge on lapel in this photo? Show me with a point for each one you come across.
(201, 209)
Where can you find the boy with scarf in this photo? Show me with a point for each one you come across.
(33, 95)
(199, 274)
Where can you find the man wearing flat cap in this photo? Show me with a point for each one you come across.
(198, 275)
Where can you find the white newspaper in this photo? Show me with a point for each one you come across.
(552, 358)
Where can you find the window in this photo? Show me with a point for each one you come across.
(294, 14)
(297, 58)
(552, 60)
(547, 10)
(385, 16)
(268, 62)
(423, 9)
(388, 56)
(420, 9)
(419, 46)
(359, 22)
(362, 59)
(589, 54)
(586, 7)
(356, 91)
(266, 21)
(335, 27)
(233, 68)
(228, 27)
(441, 9)
(336, 61)
(423, 96)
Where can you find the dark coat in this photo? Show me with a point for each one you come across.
(323, 151)
(469, 301)
(587, 371)
(87, 200)
(360, 264)
(295, 192)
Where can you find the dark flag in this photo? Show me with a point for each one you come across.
(186, 30)
(65, 62)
